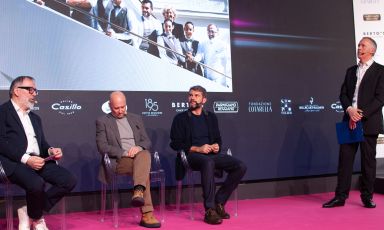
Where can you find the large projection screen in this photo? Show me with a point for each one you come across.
(277, 111)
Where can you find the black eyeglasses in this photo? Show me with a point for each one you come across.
(30, 89)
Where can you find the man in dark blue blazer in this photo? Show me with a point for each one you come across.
(28, 160)
(362, 98)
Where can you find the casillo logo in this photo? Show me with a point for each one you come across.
(66, 107)
(337, 107)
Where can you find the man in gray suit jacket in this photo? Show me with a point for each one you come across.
(123, 137)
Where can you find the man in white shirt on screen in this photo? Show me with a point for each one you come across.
(150, 26)
(214, 53)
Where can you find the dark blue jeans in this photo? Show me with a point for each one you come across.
(207, 164)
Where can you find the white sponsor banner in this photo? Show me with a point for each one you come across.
(369, 22)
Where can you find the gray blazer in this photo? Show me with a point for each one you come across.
(108, 138)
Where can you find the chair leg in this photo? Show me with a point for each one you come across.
(191, 192)
(63, 214)
(162, 195)
(8, 206)
(115, 203)
(178, 195)
(235, 197)
(103, 198)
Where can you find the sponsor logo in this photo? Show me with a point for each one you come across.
(225, 106)
(369, 1)
(180, 106)
(260, 107)
(337, 107)
(373, 33)
(152, 108)
(371, 17)
(105, 107)
(66, 107)
(311, 107)
(286, 108)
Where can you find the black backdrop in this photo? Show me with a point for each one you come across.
(288, 61)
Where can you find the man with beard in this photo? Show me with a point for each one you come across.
(196, 132)
(28, 160)
(151, 28)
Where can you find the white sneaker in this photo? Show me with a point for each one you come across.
(24, 223)
(39, 224)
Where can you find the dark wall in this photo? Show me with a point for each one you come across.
(288, 61)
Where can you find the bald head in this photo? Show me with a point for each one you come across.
(118, 104)
(366, 49)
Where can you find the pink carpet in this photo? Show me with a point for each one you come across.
(290, 212)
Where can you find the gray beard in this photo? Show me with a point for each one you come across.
(29, 105)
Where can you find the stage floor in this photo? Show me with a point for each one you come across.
(289, 212)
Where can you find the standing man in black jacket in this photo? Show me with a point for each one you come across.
(196, 132)
(362, 98)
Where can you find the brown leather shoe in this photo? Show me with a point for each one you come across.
(137, 198)
(221, 211)
(148, 220)
(211, 217)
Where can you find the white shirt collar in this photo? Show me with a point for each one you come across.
(18, 108)
(367, 64)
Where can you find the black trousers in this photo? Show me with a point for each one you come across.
(33, 182)
(368, 167)
(207, 164)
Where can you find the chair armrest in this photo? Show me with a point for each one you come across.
(184, 159)
(156, 162)
(3, 176)
(109, 172)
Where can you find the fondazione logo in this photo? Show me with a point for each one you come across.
(260, 107)
(66, 107)
(226, 107)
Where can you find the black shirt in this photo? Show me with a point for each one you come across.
(200, 135)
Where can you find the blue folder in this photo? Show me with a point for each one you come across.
(346, 135)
